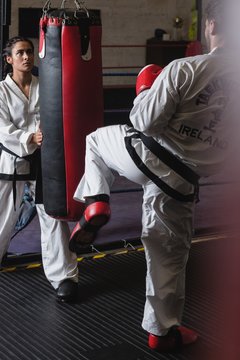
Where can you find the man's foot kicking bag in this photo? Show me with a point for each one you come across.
(96, 215)
(71, 102)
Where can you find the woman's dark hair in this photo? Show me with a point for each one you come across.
(7, 51)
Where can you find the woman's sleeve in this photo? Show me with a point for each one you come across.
(14, 139)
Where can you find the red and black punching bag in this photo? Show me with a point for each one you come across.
(71, 101)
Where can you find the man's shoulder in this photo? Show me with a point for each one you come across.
(192, 64)
(191, 59)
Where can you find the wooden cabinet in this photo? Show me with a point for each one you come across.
(163, 52)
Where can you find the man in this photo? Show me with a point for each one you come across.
(179, 113)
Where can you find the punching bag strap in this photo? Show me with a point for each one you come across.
(84, 25)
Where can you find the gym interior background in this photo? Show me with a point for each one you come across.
(127, 25)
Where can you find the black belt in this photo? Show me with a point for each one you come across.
(167, 158)
(34, 160)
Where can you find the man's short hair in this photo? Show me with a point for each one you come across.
(226, 14)
(215, 11)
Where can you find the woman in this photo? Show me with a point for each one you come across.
(20, 140)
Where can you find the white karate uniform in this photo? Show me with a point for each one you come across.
(19, 119)
(185, 112)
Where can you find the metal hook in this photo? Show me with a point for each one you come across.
(63, 4)
(47, 6)
(80, 7)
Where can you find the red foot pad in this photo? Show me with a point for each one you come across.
(177, 337)
(95, 216)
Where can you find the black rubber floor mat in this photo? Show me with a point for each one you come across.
(105, 323)
(118, 352)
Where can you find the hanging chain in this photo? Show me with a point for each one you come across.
(63, 4)
(80, 6)
(46, 7)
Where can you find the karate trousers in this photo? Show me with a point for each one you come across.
(59, 263)
(166, 223)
